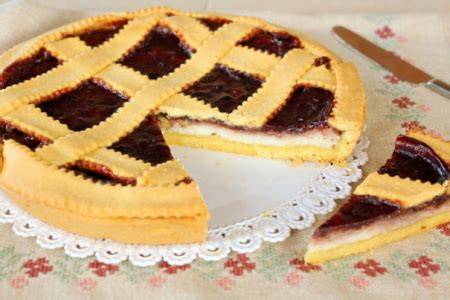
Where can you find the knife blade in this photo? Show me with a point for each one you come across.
(388, 60)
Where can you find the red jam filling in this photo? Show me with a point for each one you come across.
(213, 23)
(8, 131)
(323, 60)
(84, 107)
(99, 173)
(358, 211)
(97, 37)
(362, 210)
(28, 68)
(158, 54)
(224, 88)
(145, 143)
(278, 43)
(415, 160)
(306, 108)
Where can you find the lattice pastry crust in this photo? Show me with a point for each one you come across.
(410, 205)
(162, 204)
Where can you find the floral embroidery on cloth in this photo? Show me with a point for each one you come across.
(420, 264)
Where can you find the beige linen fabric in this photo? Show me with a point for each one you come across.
(404, 269)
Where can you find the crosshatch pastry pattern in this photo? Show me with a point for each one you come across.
(407, 195)
(98, 166)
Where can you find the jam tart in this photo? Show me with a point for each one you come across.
(87, 112)
(407, 195)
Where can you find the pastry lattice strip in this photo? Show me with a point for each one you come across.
(128, 81)
(146, 213)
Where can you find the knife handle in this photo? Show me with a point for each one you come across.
(439, 87)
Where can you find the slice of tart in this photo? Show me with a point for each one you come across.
(88, 112)
(409, 194)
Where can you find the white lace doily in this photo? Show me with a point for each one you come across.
(272, 226)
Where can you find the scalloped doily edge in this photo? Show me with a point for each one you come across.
(274, 225)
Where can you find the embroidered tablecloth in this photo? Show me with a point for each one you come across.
(418, 267)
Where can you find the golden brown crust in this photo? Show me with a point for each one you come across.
(256, 110)
(349, 108)
(439, 146)
(319, 77)
(76, 69)
(403, 191)
(30, 119)
(162, 204)
(30, 47)
(349, 111)
(250, 61)
(57, 188)
(126, 230)
(407, 193)
(399, 232)
(130, 82)
(296, 154)
(134, 111)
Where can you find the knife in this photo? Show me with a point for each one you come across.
(400, 68)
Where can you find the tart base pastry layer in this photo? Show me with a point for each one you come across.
(82, 107)
(77, 206)
(408, 195)
(319, 253)
(301, 153)
(126, 230)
